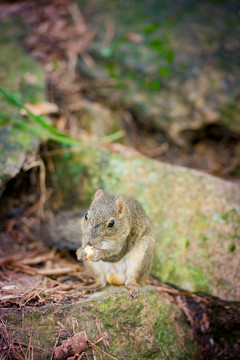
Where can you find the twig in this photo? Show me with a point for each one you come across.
(38, 259)
(9, 259)
(29, 346)
(8, 344)
(56, 343)
(109, 34)
(93, 354)
(42, 178)
(22, 351)
(78, 18)
(186, 310)
(24, 268)
(58, 271)
(104, 352)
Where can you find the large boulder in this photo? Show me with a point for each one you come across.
(148, 327)
(174, 65)
(23, 78)
(196, 216)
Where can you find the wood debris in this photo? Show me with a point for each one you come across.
(72, 346)
(40, 275)
(79, 345)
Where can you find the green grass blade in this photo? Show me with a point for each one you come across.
(36, 118)
(50, 131)
(46, 134)
(112, 137)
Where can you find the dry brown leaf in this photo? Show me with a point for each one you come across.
(136, 38)
(41, 108)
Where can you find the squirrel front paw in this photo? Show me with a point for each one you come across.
(81, 254)
(97, 255)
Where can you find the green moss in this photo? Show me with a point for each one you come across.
(151, 28)
(68, 190)
(180, 274)
(104, 305)
(164, 71)
(232, 247)
(23, 78)
(131, 314)
(200, 224)
(135, 70)
(229, 115)
(162, 46)
(14, 74)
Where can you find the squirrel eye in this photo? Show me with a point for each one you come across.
(86, 216)
(111, 223)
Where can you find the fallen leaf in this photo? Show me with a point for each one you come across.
(136, 38)
(41, 108)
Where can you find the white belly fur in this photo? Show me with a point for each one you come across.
(114, 273)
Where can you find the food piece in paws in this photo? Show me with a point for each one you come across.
(89, 251)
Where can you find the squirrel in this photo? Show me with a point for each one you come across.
(122, 239)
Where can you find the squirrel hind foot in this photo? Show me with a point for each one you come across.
(135, 292)
(134, 287)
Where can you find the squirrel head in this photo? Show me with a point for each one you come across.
(106, 219)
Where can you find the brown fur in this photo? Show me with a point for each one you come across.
(123, 253)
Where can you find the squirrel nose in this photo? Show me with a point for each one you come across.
(91, 240)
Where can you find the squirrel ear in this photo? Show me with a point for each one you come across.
(120, 205)
(98, 194)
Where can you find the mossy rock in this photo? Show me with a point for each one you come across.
(170, 63)
(23, 78)
(196, 216)
(147, 327)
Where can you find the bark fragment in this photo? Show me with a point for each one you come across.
(72, 346)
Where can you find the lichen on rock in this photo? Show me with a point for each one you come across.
(23, 78)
